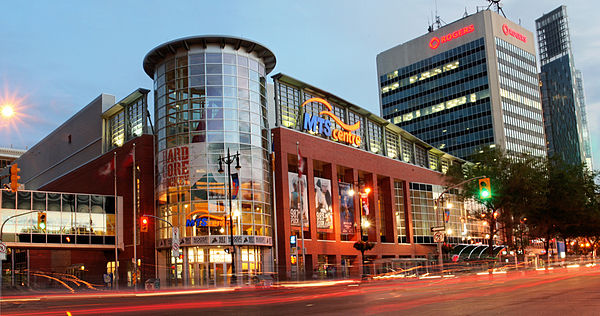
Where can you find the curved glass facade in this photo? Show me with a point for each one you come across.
(210, 98)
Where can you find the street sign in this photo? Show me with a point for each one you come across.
(175, 242)
(437, 229)
(438, 237)
(2, 251)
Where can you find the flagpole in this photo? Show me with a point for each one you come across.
(134, 189)
(300, 207)
(116, 275)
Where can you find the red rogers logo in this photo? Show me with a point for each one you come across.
(435, 41)
(508, 31)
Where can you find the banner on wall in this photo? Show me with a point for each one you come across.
(323, 203)
(174, 169)
(346, 208)
(298, 199)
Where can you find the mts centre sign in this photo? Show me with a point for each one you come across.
(320, 124)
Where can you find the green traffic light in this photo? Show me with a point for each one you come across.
(485, 194)
(42, 226)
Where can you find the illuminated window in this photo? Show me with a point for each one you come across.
(391, 143)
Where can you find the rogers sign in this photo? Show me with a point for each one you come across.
(508, 31)
(436, 41)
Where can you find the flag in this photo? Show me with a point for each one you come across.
(128, 161)
(235, 185)
(106, 169)
(364, 202)
(300, 165)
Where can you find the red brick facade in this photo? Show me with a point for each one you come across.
(375, 171)
(88, 179)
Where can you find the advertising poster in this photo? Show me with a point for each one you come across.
(323, 203)
(346, 209)
(298, 201)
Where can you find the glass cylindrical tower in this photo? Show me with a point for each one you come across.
(210, 96)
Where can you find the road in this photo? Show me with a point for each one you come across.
(556, 292)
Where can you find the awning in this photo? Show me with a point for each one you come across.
(472, 252)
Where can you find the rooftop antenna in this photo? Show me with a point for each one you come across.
(497, 4)
(438, 20)
(429, 25)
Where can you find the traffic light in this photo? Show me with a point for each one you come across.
(14, 177)
(293, 259)
(485, 190)
(144, 224)
(42, 221)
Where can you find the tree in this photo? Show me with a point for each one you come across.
(517, 185)
(533, 196)
(568, 195)
(491, 163)
(572, 204)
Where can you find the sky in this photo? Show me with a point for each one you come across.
(57, 56)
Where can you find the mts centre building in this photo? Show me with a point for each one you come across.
(468, 84)
(211, 97)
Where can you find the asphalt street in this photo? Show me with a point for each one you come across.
(556, 292)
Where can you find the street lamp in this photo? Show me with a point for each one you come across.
(7, 111)
(362, 245)
(229, 160)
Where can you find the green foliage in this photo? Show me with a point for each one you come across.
(548, 196)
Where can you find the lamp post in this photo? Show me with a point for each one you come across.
(364, 244)
(1, 237)
(229, 160)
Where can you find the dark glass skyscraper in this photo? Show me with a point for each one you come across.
(562, 90)
(469, 84)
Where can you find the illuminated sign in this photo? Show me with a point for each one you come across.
(435, 42)
(176, 166)
(508, 31)
(321, 125)
(205, 220)
(293, 240)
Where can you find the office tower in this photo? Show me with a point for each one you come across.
(563, 101)
(469, 84)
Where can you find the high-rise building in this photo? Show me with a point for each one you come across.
(468, 84)
(562, 90)
(587, 147)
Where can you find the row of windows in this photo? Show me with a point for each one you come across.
(518, 116)
(529, 70)
(513, 145)
(71, 215)
(255, 84)
(515, 97)
(508, 83)
(127, 123)
(457, 114)
(210, 58)
(441, 84)
(422, 76)
(439, 59)
(473, 97)
(447, 92)
(289, 114)
(515, 133)
(446, 135)
(516, 50)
